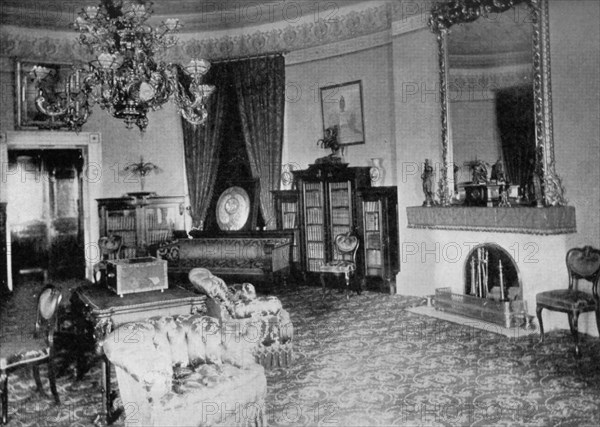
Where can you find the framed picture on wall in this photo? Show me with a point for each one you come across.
(35, 79)
(342, 105)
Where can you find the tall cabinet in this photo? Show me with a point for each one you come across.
(328, 206)
(3, 254)
(141, 220)
(286, 214)
(379, 223)
(330, 199)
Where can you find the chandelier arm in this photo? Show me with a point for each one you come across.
(125, 79)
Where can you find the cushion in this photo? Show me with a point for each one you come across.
(22, 349)
(566, 299)
(214, 396)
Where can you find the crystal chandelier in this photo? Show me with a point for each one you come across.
(125, 79)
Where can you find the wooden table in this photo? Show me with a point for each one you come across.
(104, 310)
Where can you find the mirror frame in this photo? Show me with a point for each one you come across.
(447, 13)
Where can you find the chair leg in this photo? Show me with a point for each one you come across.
(322, 277)
(538, 312)
(52, 379)
(38, 381)
(347, 290)
(573, 321)
(4, 377)
(598, 319)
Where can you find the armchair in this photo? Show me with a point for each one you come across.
(186, 371)
(261, 320)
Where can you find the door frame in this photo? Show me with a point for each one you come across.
(90, 145)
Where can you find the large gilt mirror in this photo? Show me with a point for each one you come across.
(496, 98)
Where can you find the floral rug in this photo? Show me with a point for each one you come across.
(367, 361)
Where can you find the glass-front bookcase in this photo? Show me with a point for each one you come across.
(141, 220)
(379, 219)
(328, 207)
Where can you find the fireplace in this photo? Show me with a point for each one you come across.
(492, 289)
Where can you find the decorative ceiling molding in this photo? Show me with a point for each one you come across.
(338, 48)
(351, 26)
(466, 85)
(491, 60)
(408, 24)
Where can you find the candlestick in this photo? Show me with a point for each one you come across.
(473, 288)
(485, 272)
(479, 281)
(501, 280)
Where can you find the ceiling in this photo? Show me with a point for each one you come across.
(197, 15)
(504, 37)
(492, 35)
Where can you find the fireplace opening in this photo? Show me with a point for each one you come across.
(490, 272)
(492, 289)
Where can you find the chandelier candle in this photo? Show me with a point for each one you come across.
(125, 79)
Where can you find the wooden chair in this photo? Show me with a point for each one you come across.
(346, 246)
(21, 349)
(582, 263)
(110, 249)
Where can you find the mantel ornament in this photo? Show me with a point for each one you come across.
(445, 14)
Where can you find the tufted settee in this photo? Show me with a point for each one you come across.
(260, 257)
(186, 371)
(262, 320)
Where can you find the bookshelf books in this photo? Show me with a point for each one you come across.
(379, 218)
(141, 220)
(327, 208)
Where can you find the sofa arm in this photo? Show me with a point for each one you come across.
(133, 349)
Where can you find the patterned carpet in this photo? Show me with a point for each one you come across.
(367, 361)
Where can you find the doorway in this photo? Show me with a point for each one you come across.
(45, 210)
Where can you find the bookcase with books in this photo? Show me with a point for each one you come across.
(379, 219)
(327, 207)
(141, 220)
(286, 211)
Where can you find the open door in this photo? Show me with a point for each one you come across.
(45, 211)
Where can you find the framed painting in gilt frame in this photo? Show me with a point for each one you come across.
(342, 105)
(32, 80)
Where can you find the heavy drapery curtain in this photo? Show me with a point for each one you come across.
(260, 89)
(202, 145)
(516, 125)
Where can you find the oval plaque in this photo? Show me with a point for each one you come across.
(233, 209)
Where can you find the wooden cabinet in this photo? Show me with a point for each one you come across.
(331, 199)
(3, 254)
(379, 223)
(328, 206)
(141, 220)
(287, 217)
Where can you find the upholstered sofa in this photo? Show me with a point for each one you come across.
(261, 320)
(258, 257)
(186, 371)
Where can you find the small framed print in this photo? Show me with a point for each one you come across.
(32, 80)
(342, 105)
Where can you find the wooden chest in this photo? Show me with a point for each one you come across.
(129, 276)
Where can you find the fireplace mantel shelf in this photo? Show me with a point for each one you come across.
(526, 220)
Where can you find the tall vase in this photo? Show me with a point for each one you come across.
(377, 172)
